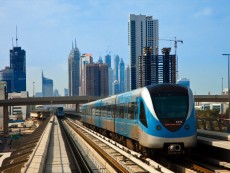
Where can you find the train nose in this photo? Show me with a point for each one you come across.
(174, 148)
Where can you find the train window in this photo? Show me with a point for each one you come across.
(109, 110)
(121, 110)
(143, 115)
(93, 111)
(132, 110)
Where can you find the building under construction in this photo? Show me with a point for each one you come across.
(155, 69)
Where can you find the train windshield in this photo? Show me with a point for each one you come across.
(171, 104)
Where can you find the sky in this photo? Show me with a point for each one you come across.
(46, 30)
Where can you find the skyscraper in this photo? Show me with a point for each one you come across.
(47, 87)
(116, 65)
(7, 75)
(142, 32)
(122, 75)
(108, 60)
(96, 80)
(127, 78)
(15, 75)
(86, 58)
(74, 71)
(144, 67)
(18, 65)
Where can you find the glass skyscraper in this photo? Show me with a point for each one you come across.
(18, 65)
(47, 87)
(142, 32)
(74, 71)
(122, 75)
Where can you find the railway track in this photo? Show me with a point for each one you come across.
(119, 158)
(78, 163)
(161, 164)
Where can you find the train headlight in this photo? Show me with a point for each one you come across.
(186, 126)
(158, 127)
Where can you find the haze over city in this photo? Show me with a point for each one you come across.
(46, 30)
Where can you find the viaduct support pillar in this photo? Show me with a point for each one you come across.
(77, 107)
(5, 120)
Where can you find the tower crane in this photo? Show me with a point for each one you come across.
(175, 43)
(175, 48)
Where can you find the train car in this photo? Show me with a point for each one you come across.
(59, 112)
(151, 118)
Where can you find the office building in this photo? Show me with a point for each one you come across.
(121, 77)
(4, 118)
(107, 60)
(66, 92)
(127, 78)
(167, 67)
(15, 75)
(116, 87)
(144, 67)
(18, 112)
(116, 66)
(74, 71)
(7, 75)
(142, 32)
(96, 80)
(84, 60)
(47, 87)
(184, 82)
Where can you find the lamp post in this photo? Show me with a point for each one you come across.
(228, 128)
(33, 89)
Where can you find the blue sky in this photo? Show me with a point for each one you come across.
(46, 29)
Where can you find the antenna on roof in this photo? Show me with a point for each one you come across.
(16, 36)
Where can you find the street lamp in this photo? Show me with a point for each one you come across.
(228, 128)
(33, 89)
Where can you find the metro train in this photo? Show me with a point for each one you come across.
(156, 117)
(60, 112)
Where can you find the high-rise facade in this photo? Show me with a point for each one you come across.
(84, 60)
(74, 71)
(144, 67)
(121, 76)
(18, 65)
(142, 32)
(116, 66)
(15, 75)
(127, 78)
(107, 60)
(47, 87)
(96, 80)
(7, 75)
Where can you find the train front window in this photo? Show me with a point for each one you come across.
(171, 104)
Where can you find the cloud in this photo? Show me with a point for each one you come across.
(207, 11)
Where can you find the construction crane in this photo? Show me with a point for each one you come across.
(175, 43)
(175, 48)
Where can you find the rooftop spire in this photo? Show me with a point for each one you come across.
(16, 36)
(75, 43)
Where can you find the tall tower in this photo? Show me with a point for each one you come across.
(74, 71)
(144, 67)
(122, 76)
(142, 32)
(18, 66)
(116, 65)
(47, 87)
(85, 59)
